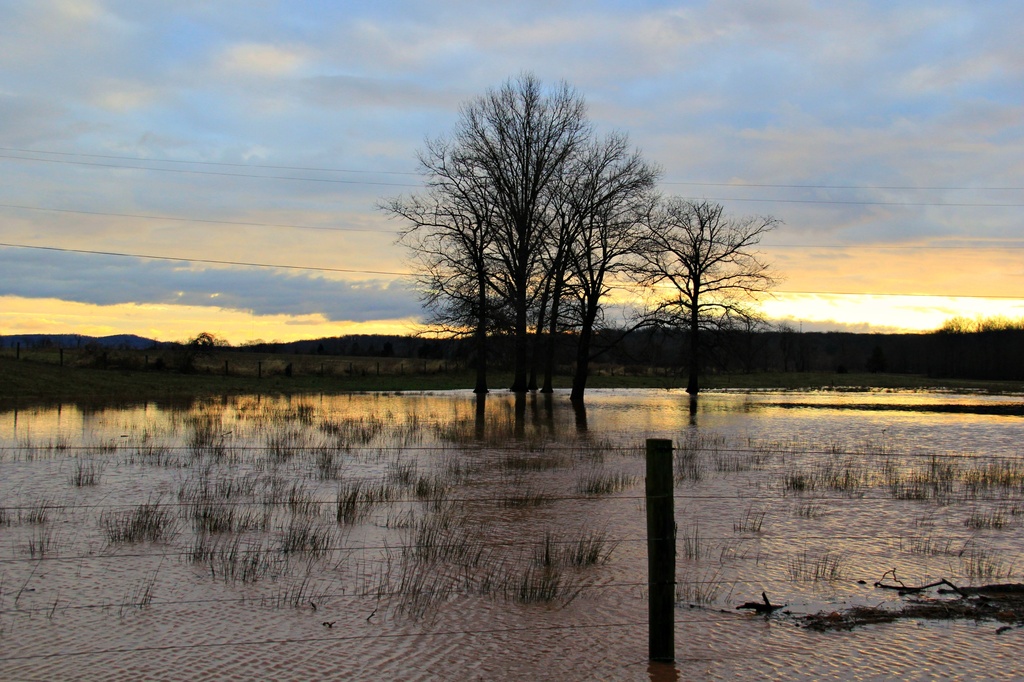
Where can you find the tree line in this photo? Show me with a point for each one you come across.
(531, 222)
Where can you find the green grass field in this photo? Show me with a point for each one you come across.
(39, 376)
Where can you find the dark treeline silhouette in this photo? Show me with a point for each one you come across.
(981, 352)
(976, 351)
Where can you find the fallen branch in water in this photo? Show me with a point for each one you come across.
(908, 589)
(1000, 602)
(765, 607)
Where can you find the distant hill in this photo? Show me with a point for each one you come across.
(117, 341)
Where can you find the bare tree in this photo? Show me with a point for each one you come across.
(450, 236)
(518, 140)
(524, 210)
(609, 197)
(701, 269)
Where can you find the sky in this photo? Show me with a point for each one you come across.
(177, 167)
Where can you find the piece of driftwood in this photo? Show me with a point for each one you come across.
(1003, 602)
(762, 606)
(903, 588)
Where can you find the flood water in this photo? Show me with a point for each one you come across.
(428, 536)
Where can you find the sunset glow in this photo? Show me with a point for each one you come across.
(171, 169)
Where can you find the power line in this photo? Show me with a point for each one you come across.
(923, 188)
(394, 273)
(396, 184)
(386, 172)
(853, 202)
(208, 163)
(207, 260)
(380, 230)
(218, 173)
(903, 247)
(192, 220)
(909, 295)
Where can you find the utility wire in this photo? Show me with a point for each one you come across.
(208, 163)
(769, 247)
(122, 254)
(396, 184)
(194, 220)
(394, 273)
(386, 172)
(217, 173)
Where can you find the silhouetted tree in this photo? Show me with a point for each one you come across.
(451, 238)
(701, 269)
(519, 138)
(478, 234)
(611, 195)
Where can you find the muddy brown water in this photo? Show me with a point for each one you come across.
(454, 558)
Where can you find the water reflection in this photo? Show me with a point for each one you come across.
(579, 408)
(520, 416)
(506, 478)
(480, 421)
(659, 671)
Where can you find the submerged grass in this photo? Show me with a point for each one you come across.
(86, 472)
(255, 500)
(827, 567)
(599, 482)
(705, 588)
(751, 521)
(586, 548)
(148, 522)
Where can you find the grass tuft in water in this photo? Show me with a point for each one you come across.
(825, 568)
(603, 483)
(147, 522)
(306, 536)
(86, 473)
(704, 589)
(751, 522)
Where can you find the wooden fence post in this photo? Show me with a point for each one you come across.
(661, 551)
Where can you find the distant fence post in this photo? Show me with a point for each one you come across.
(661, 551)
(259, 369)
(225, 368)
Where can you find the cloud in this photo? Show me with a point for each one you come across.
(111, 281)
(253, 59)
(817, 113)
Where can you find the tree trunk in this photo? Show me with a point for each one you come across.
(579, 379)
(538, 339)
(522, 342)
(481, 361)
(549, 349)
(481, 339)
(692, 384)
